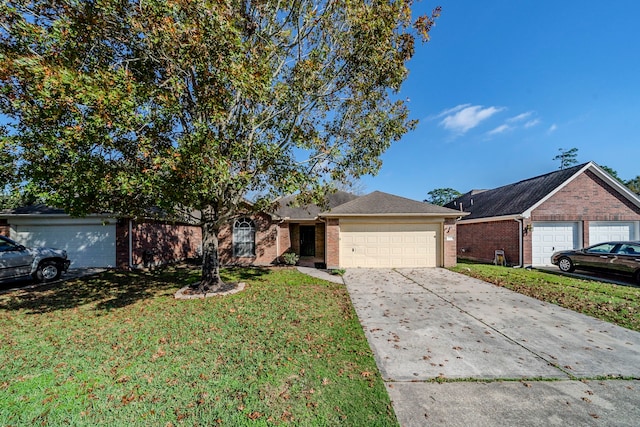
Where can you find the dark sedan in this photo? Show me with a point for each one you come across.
(613, 257)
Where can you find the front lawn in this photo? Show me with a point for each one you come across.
(118, 349)
(614, 303)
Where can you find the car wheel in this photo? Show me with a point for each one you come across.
(565, 264)
(636, 277)
(48, 271)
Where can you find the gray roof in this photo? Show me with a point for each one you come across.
(38, 209)
(287, 209)
(384, 204)
(515, 199)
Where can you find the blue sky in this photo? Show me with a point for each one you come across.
(504, 84)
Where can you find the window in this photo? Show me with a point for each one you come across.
(604, 248)
(629, 249)
(244, 238)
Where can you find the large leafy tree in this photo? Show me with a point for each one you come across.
(634, 185)
(195, 105)
(442, 196)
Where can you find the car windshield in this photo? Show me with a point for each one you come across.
(603, 248)
(629, 249)
(6, 245)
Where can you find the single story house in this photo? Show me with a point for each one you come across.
(376, 230)
(101, 240)
(529, 220)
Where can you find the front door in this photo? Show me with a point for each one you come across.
(307, 240)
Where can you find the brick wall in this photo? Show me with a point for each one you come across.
(122, 244)
(294, 237)
(266, 243)
(586, 198)
(333, 243)
(284, 236)
(479, 241)
(450, 243)
(156, 243)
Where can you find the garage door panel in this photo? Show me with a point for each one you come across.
(549, 237)
(389, 245)
(86, 245)
(610, 231)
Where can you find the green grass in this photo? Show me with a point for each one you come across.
(613, 303)
(118, 349)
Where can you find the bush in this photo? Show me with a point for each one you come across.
(290, 258)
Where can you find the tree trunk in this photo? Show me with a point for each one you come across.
(211, 280)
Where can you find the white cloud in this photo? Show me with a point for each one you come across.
(531, 123)
(499, 129)
(452, 110)
(464, 117)
(519, 117)
(552, 128)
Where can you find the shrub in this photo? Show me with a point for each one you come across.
(290, 258)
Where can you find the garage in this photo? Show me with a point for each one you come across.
(381, 230)
(88, 242)
(549, 237)
(611, 231)
(386, 244)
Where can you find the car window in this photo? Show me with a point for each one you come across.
(629, 249)
(604, 248)
(5, 246)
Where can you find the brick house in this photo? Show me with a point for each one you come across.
(376, 230)
(101, 240)
(529, 220)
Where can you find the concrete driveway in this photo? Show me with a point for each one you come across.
(502, 358)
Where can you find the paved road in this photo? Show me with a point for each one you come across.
(502, 358)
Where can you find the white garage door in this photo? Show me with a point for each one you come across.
(389, 245)
(549, 237)
(87, 245)
(610, 231)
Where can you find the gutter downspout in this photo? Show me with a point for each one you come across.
(520, 222)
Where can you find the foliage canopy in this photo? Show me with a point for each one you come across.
(195, 105)
(442, 196)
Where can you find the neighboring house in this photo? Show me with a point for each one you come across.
(529, 220)
(376, 230)
(101, 240)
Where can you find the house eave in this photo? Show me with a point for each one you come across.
(395, 215)
(492, 219)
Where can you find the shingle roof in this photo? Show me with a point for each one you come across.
(286, 210)
(512, 199)
(38, 209)
(379, 203)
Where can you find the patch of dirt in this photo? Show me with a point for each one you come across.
(189, 292)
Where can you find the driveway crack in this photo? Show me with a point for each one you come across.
(499, 332)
